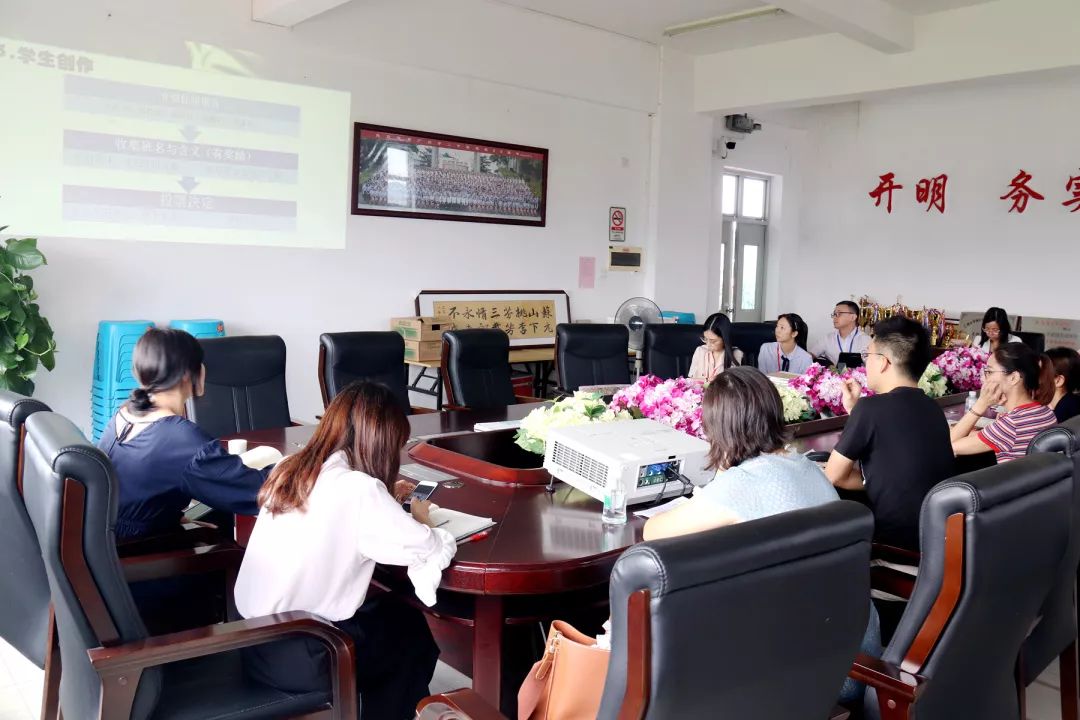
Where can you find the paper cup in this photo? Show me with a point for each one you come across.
(237, 447)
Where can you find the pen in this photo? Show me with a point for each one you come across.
(478, 536)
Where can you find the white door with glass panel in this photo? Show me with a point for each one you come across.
(744, 205)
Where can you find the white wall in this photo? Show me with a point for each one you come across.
(974, 256)
(476, 68)
(682, 193)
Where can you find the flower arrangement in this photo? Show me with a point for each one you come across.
(933, 382)
(824, 388)
(674, 402)
(796, 405)
(579, 409)
(963, 367)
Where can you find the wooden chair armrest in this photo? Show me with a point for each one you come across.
(526, 399)
(188, 561)
(185, 537)
(890, 553)
(446, 407)
(212, 639)
(416, 410)
(293, 422)
(466, 704)
(892, 581)
(120, 666)
(892, 684)
(839, 713)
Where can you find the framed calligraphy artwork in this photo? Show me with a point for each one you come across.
(528, 317)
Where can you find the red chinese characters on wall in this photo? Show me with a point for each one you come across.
(1073, 187)
(931, 192)
(886, 186)
(1021, 192)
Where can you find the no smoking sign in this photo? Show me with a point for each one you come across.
(617, 225)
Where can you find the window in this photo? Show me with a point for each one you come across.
(753, 198)
(728, 191)
(749, 278)
(744, 197)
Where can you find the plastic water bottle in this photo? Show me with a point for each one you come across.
(969, 404)
(614, 512)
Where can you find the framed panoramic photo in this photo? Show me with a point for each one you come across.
(409, 173)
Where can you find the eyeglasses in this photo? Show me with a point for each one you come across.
(838, 314)
(866, 354)
(987, 372)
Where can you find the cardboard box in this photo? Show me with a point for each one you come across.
(427, 351)
(421, 329)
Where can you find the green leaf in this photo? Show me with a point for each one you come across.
(18, 314)
(21, 339)
(48, 360)
(24, 254)
(26, 281)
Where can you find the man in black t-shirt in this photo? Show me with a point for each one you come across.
(896, 443)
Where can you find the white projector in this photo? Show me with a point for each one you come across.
(642, 456)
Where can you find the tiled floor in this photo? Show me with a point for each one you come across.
(20, 688)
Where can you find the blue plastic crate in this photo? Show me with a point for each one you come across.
(113, 379)
(682, 318)
(200, 328)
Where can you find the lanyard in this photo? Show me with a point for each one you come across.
(851, 343)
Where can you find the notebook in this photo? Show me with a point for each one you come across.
(501, 425)
(460, 525)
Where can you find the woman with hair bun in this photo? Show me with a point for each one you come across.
(162, 459)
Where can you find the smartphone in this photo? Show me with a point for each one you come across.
(422, 491)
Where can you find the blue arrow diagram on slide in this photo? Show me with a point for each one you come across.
(190, 132)
(188, 183)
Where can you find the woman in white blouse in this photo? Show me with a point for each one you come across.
(328, 516)
(996, 330)
(788, 354)
(716, 353)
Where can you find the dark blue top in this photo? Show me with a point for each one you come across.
(166, 465)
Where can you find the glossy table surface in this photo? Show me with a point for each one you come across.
(543, 542)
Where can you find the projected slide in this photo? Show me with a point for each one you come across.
(101, 147)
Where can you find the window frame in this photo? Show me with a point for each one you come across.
(741, 176)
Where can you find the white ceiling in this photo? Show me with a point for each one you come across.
(646, 20)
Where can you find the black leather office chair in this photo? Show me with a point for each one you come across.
(993, 543)
(587, 354)
(1035, 341)
(109, 661)
(24, 622)
(245, 386)
(1055, 635)
(669, 349)
(377, 356)
(476, 369)
(750, 336)
(757, 620)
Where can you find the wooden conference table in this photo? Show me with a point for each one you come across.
(549, 556)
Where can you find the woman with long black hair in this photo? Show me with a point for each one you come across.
(717, 353)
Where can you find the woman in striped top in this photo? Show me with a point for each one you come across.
(1021, 380)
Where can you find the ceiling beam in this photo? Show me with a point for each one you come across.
(290, 13)
(875, 23)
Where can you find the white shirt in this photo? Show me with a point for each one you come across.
(321, 559)
(704, 367)
(1012, 339)
(770, 359)
(831, 347)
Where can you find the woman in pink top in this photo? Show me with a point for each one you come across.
(716, 353)
(1021, 380)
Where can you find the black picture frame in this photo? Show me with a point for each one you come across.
(505, 195)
